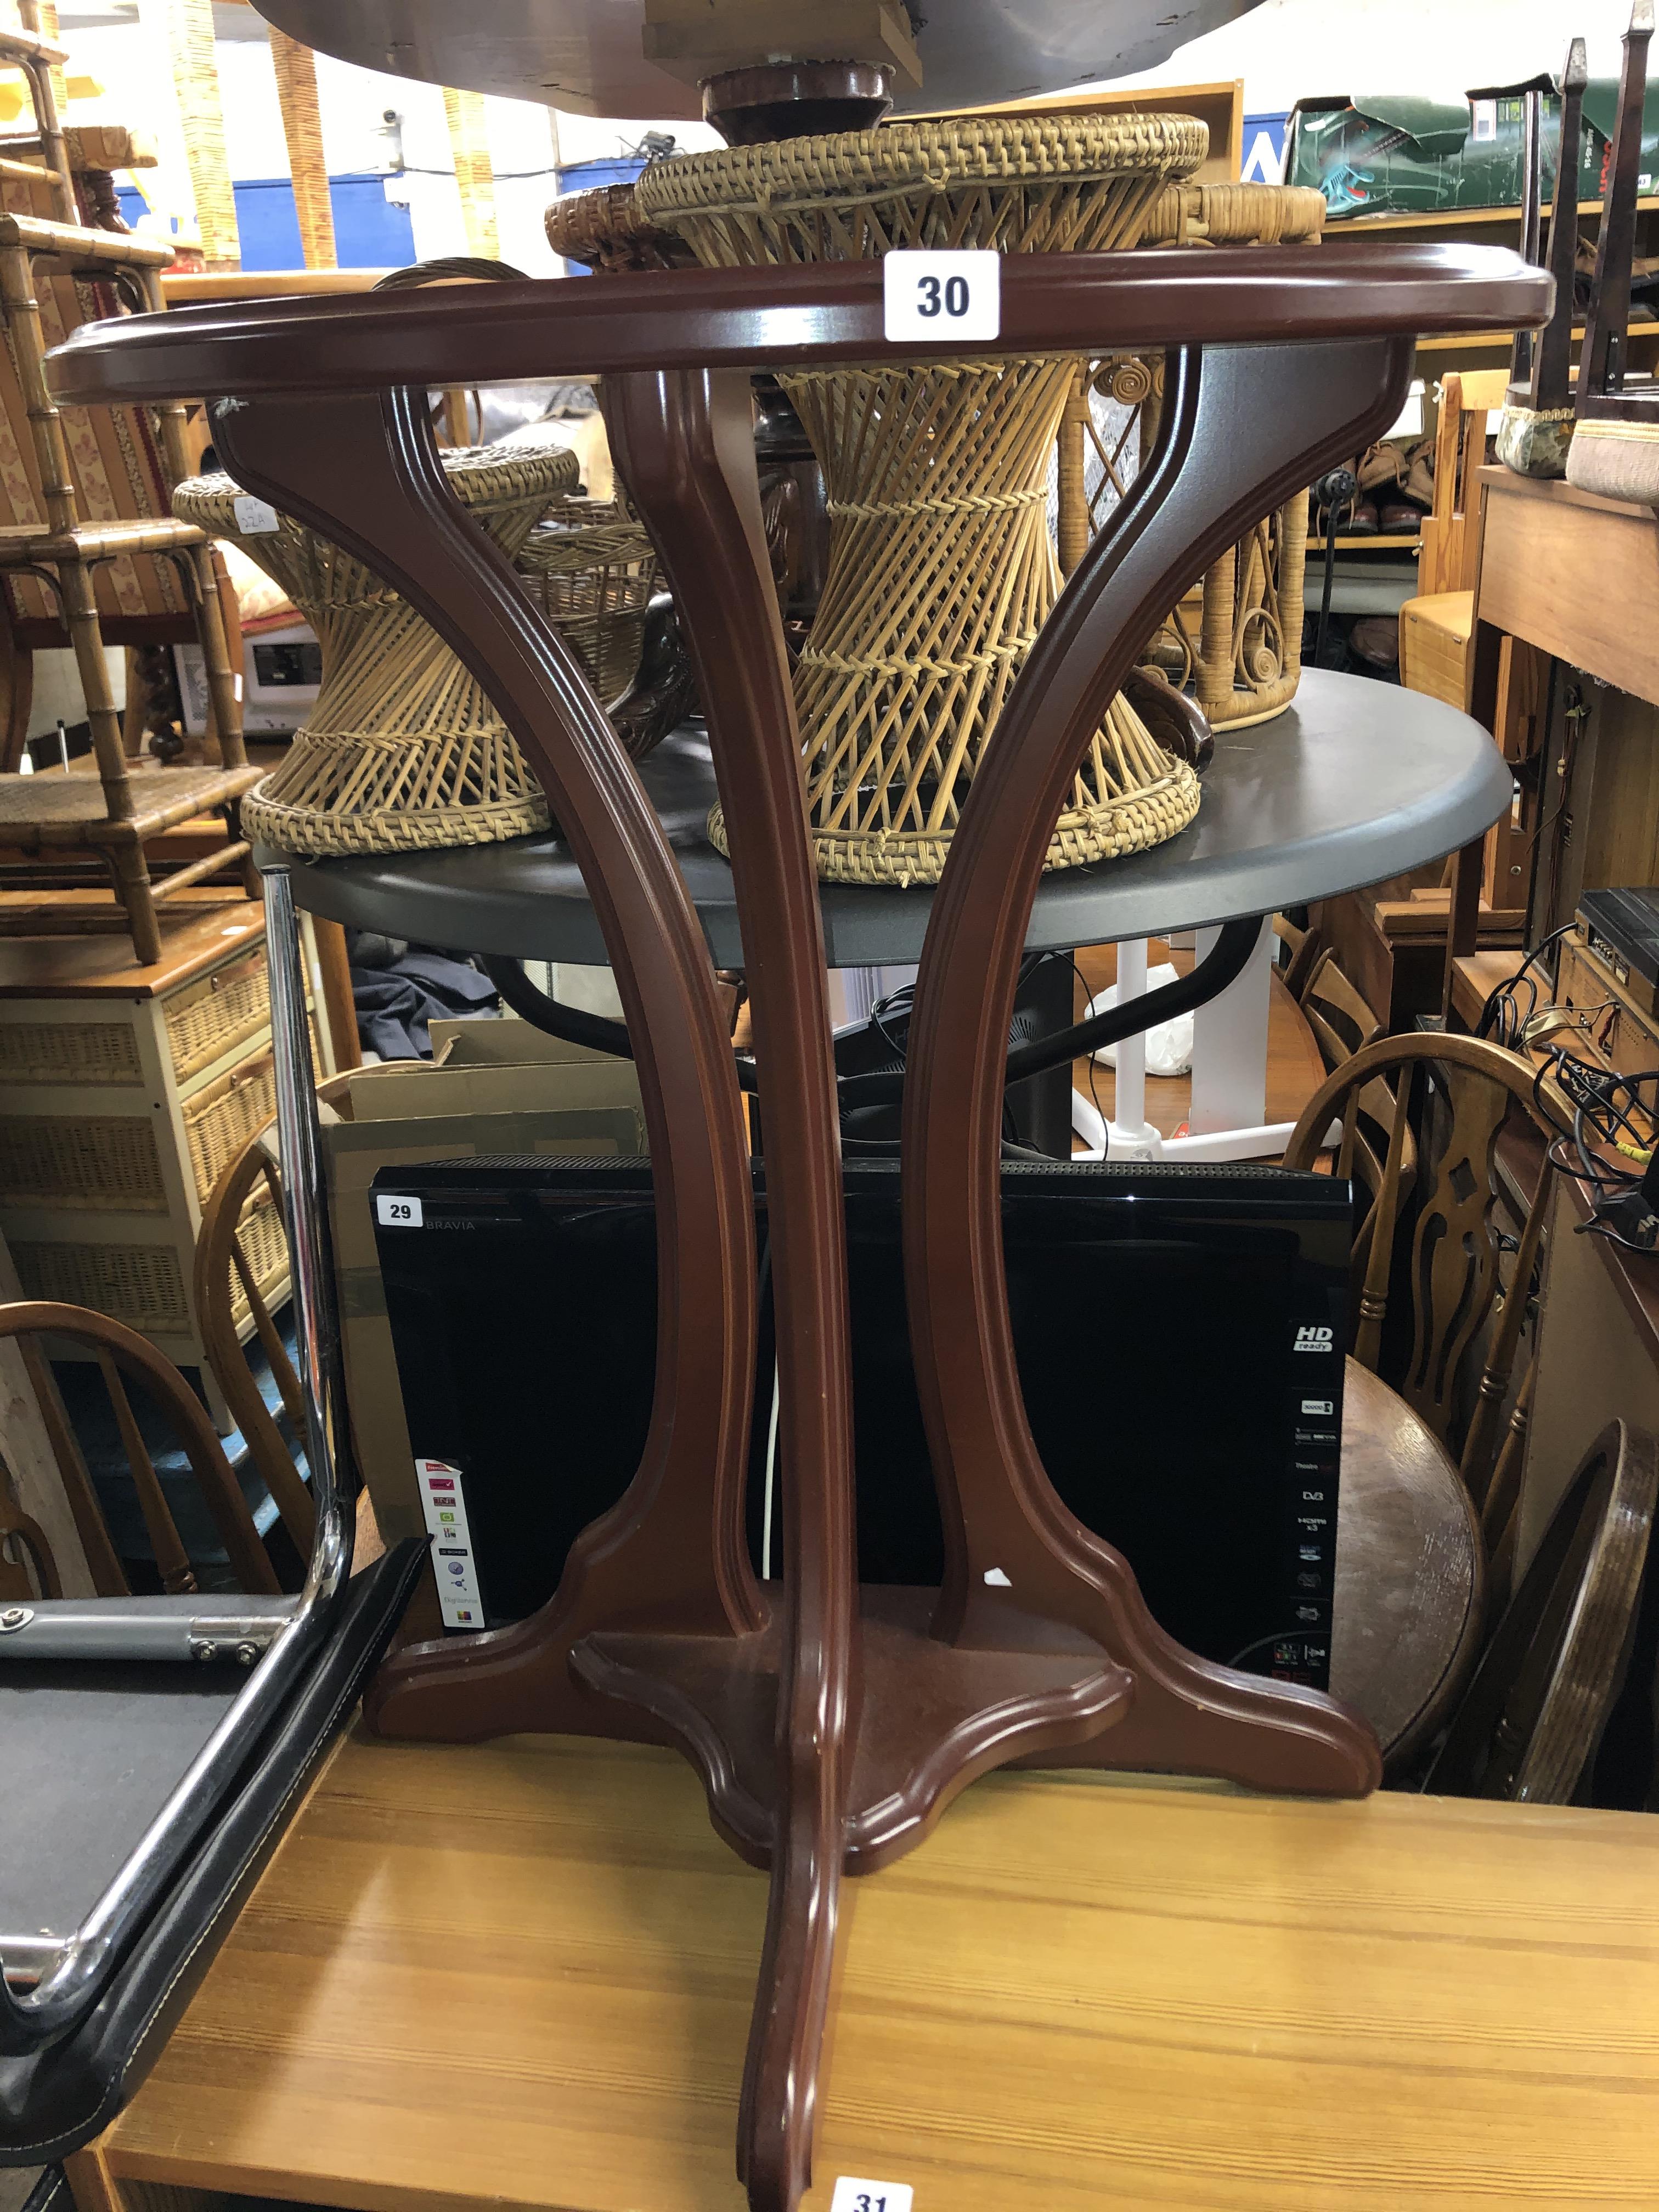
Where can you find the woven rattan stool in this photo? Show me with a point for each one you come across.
(403, 751)
(941, 569)
(592, 570)
(1238, 647)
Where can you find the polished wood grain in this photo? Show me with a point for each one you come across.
(520, 1975)
(194, 938)
(817, 314)
(1295, 1070)
(1573, 574)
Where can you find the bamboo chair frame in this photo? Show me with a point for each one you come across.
(111, 817)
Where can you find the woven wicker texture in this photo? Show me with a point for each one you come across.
(1236, 214)
(296, 67)
(941, 570)
(1238, 649)
(101, 1163)
(265, 1248)
(222, 1115)
(603, 228)
(403, 751)
(141, 1284)
(209, 1018)
(592, 570)
(69, 1052)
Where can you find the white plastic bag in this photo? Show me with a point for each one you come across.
(1168, 1046)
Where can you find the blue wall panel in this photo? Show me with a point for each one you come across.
(369, 232)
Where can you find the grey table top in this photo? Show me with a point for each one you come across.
(1357, 781)
(589, 55)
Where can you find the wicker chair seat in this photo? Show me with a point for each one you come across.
(403, 749)
(941, 570)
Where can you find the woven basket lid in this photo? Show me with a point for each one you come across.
(939, 160)
(603, 228)
(481, 476)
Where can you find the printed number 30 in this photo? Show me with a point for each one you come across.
(954, 302)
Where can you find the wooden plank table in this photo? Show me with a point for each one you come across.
(521, 1974)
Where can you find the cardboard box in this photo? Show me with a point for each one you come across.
(1394, 154)
(559, 1101)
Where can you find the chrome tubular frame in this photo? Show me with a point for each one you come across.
(48, 1983)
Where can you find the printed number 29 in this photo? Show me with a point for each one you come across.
(396, 1209)
(954, 302)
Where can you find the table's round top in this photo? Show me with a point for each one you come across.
(1357, 781)
(588, 55)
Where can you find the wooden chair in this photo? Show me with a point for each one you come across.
(28, 1568)
(1302, 949)
(122, 1353)
(240, 1278)
(1438, 626)
(1533, 1717)
(1342, 1022)
(91, 557)
(1465, 1317)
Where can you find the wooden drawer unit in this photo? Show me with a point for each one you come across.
(124, 1092)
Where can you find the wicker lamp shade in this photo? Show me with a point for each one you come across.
(1239, 648)
(403, 751)
(941, 570)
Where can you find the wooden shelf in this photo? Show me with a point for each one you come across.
(1471, 339)
(1448, 218)
(1391, 541)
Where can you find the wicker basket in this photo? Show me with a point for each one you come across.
(590, 567)
(403, 751)
(941, 569)
(1238, 645)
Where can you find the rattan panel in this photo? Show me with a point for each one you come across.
(69, 1053)
(141, 1284)
(106, 1162)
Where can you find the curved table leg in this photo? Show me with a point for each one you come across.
(363, 471)
(685, 443)
(1243, 428)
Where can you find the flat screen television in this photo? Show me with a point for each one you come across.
(1179, 1330)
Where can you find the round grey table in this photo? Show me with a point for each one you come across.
(1355, 782)
(589, 55)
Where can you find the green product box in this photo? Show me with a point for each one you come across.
(1394, 154)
